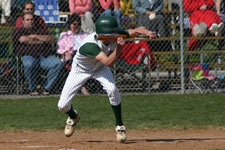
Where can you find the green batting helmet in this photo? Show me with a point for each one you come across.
(108, 25)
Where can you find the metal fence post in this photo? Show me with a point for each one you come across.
(17, 76)
(182, 46)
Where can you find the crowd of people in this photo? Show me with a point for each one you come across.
(33, 43)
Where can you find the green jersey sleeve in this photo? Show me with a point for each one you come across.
(90, 50)
(126, 31)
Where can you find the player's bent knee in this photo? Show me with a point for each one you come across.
(114, 96)
(112, 91)
(64, 107)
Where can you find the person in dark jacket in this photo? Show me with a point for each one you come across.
(34, 45)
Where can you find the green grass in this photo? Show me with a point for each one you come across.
(173, 112)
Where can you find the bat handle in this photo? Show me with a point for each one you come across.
(102, 37)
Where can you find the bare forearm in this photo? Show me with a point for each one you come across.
(114, 56)
(44, 38)
(137, 31)
(142, 31)
(218, 8)
(116, 4)
(111, 59)
(29, 40)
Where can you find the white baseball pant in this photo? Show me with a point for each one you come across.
(75, 80)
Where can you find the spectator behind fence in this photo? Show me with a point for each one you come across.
(220, 8)
(202, 20)
(5, 7)
(38, 20)
(34, 45)
(83, 9)
(149, 15)
(108, 5)
(69, 42)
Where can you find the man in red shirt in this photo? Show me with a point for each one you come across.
(38, 20)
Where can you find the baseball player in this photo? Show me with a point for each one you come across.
(93, 60)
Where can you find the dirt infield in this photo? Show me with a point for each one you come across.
(105, 140)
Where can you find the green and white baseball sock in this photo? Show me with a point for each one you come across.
(117, 113)
(72, 113)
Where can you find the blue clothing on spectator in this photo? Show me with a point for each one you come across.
(141, 6)
(50, 63)
(222, 11)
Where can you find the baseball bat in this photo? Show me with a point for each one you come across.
(116, 36)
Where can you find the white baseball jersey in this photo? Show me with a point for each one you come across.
(89, 48)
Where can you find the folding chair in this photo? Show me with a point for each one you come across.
(10, 78)
(48, 10)
(5, 69)
(134, 63)
(200, 78)
(220, 84)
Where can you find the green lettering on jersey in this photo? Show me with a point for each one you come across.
(90, 50)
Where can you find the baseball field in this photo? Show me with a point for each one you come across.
(155, 122)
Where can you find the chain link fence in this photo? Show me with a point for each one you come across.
(184, 58)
